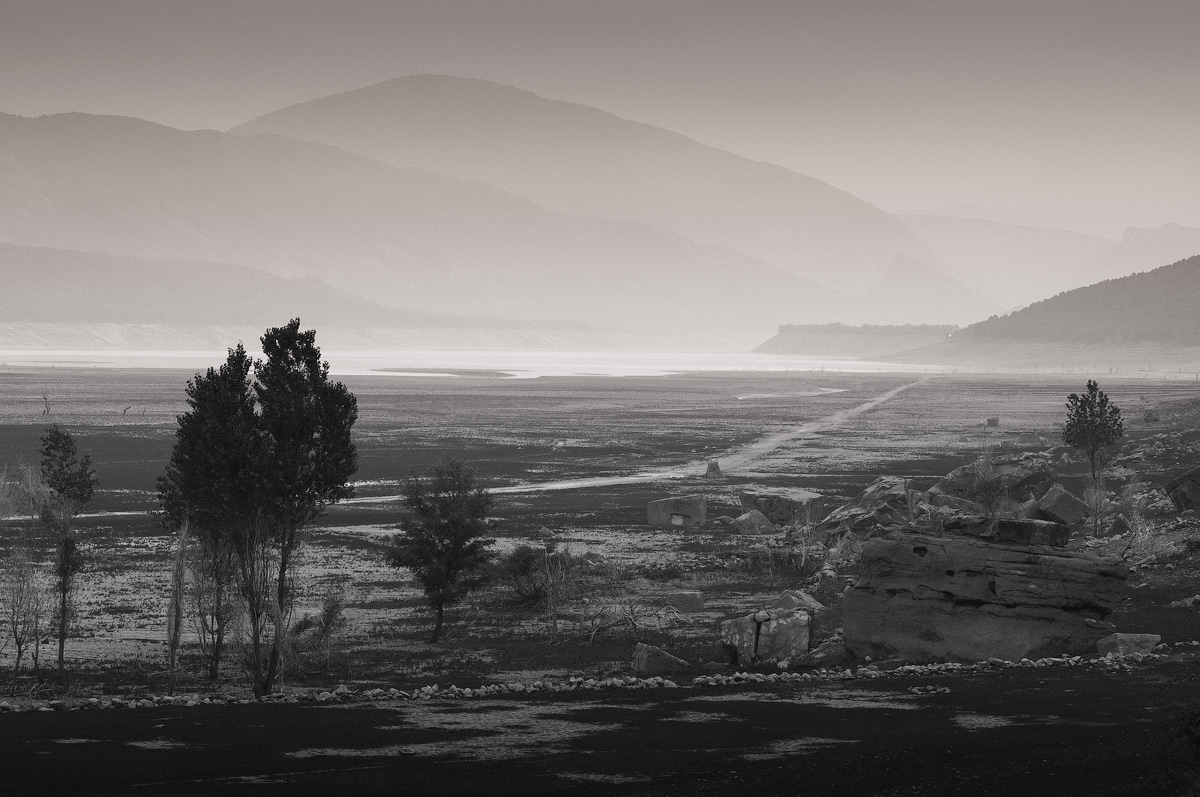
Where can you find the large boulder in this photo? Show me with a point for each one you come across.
(883, 506)
(1184, 490)
(958, 598)
(798, 599)
(649, 660)
(1062, 506)
(683, 511)
(1022, 476)
(787, 505)
(753, 522)
(830, 653)
(1014, 531)
(766, 635)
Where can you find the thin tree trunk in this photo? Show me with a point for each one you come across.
(437, 627)
(279, 620)
(214, 666)
(62, 622)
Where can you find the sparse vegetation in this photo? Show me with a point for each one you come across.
(1093, 425)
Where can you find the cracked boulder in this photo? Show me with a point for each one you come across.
(958, 598)
(766, 635)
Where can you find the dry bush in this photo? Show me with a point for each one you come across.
(312, 635)
(625, 614)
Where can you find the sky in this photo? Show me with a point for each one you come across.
(1082, 115)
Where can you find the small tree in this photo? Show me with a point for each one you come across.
(72, 481)
(1093, 425)
(445, 546)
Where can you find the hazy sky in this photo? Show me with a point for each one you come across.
(1073, 112)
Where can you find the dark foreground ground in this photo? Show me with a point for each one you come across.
(1057, 731)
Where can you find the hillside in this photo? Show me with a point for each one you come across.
(865, 342)
(1017, 264)
(1143, 249)
(1156, 306)
(912, 292)
(577, 159)
(399, 236)
(59, 286)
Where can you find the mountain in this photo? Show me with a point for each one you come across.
(62, 286)
(1156, 306)
(865, 342)
(912, 292)
(577, 159)
(1142, 249)
(399, 236)
(1015, 263)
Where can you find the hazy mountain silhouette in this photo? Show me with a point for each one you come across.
(1143, 249)
(401, 236)
(912, 292)
(1156, 306)
(578, 159)
(1014, 263)
(58, 285)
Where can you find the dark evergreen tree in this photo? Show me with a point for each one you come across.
(1093, 425)
(445, 544)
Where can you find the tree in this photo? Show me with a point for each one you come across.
(255, 462)
(1093, 425)
(306, 422)
(444, 546)
(72, 481)
(212, 486)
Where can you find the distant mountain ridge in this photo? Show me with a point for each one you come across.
(399, 236)
(577, 159)
(1158, 306)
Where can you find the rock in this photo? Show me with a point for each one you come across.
(686, 601)
(1022, 475)
(927, 598)
(953, 502)
(1184, 490)
(1118, 526)
(544, 533)
(1151, 416)
(753, 522)
(1127, 644)
(649, 660)
(881, 507)
(1061, 506)
(714, 470)
(784, 506)
(723, 520)
(767, 635)
(1029, 510)
(830, 653)
(1031, 440)
(1014, 531)
(685, 511)
(993, 421)
(795, 599)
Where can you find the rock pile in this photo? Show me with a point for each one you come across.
(882, 506)
(952, 598)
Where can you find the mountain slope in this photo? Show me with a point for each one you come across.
(1017, 264)
(912, 292)
(1157, 306)
(1143, 249)
(402, 236)
(58, 285)
(578, 159)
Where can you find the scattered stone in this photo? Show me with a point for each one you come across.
(1117, 527)
(544, 533)
(714, 470)
(926, 598)
(649, 660)
(1061, 506)
(752, 522)
(1187, 603)
(1127, 644)
(686, 601)
(767, 635)
(683, 511)
(993, 421)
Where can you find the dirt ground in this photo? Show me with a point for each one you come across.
(522, 432)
